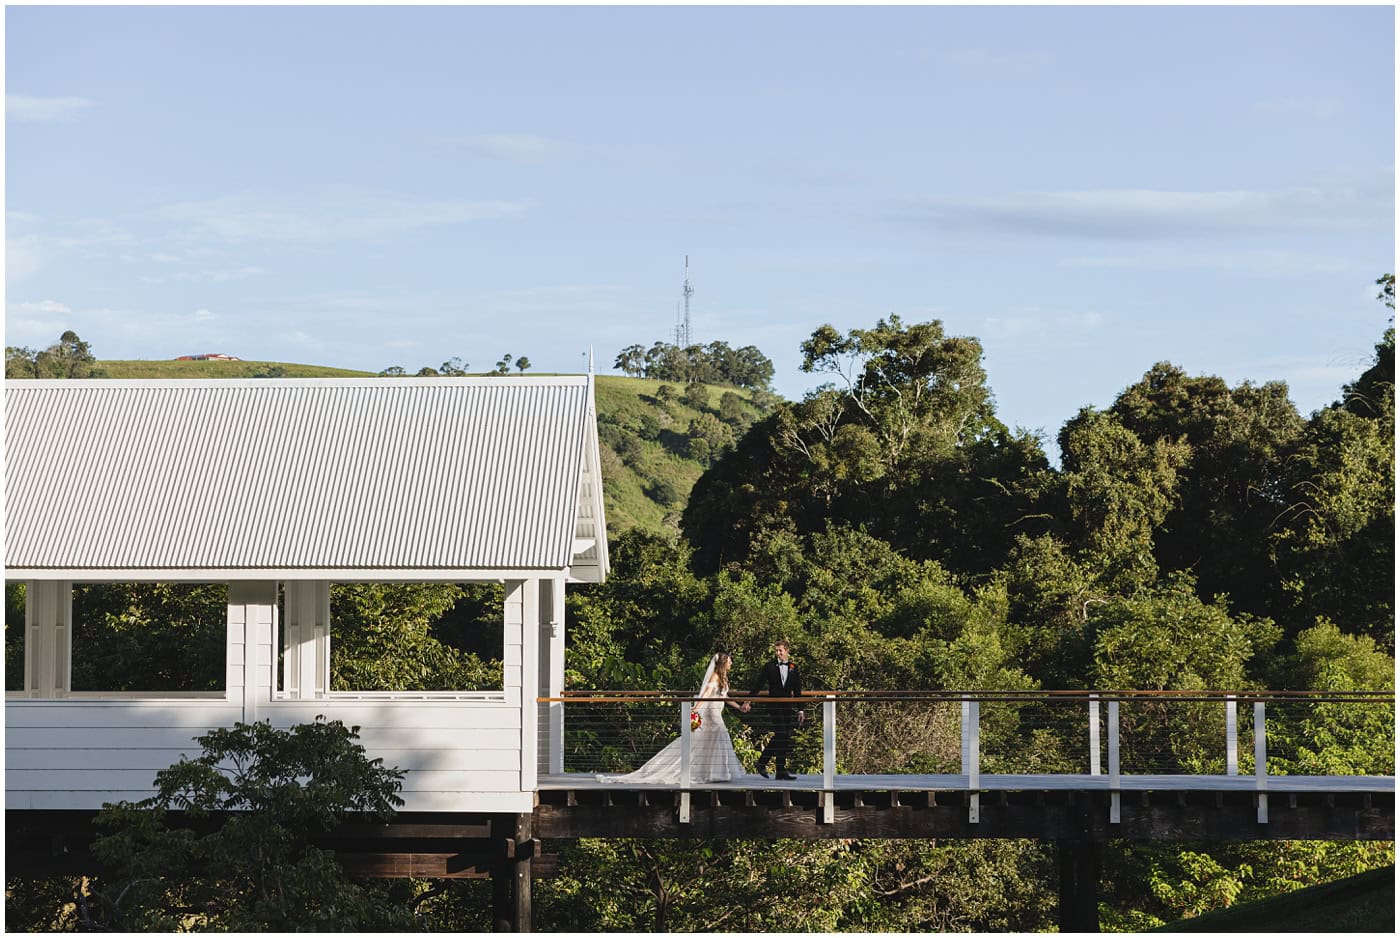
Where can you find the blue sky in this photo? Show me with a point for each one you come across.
(1087, 190)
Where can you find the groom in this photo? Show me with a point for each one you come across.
(779, 676)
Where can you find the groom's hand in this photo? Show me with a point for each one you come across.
(801, 717)
(746, 707)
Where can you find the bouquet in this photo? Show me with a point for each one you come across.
(695, 721)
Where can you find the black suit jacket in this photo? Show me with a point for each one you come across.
(770, 679)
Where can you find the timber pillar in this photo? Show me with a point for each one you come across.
(1079, 862)
(511, 906)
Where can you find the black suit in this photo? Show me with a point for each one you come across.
(781, 717)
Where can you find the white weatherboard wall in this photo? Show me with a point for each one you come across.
(460, 752)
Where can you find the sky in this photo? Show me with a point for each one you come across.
(1086, 190)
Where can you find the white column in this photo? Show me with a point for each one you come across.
(48, 638)
(306, 662)
(252, 619)
(530, 683)
(551, 760)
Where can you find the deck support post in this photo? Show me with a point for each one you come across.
(1115, 779)
(829, 760)
(1095, 768)
(511, 881)
(1261, 763)
(684, 817)
(1232, 736)
(1078, 862)
(971, 754)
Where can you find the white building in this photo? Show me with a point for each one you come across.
(297, 483)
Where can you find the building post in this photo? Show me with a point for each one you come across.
(252, 621)
(511, 886)
(48, 638)
(306, 662)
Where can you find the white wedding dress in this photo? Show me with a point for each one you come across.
(712, 757)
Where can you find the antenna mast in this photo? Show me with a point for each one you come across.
(687, 292)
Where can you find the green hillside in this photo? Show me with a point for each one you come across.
(1364, 903)
(654, 443)
(141, 368)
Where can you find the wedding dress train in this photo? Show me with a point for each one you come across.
(712, 757)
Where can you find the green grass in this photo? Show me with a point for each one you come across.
(646, 487)
(141, 368)
(1364, 903)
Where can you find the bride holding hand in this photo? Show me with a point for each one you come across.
(712, 757)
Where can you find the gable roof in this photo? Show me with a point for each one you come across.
(433, 479)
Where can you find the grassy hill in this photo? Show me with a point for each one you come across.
(654, 440)
(141, 368)
(1364, 903)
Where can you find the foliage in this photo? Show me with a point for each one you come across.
(908, 444)
(149, 636)
(252, 869)
(395, 636)
(69, 357)
(14, 635)
(715, 363)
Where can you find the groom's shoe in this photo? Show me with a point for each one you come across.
(761, 770)
(786, 776)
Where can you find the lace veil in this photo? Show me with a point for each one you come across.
(709, 673)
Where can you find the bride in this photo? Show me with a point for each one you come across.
(712, 757)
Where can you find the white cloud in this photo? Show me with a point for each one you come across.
(333, 214)
(203, 314)
(42, 306)
(28, 109)
(515, 148)
(15, 215)
(1261, 263)
(1320, 107)
(1035, 321)
(1153, 213)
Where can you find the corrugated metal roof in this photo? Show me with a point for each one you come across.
(343, 474)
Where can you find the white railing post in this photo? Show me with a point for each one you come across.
(1261, 762)
(1232, 737)
(685, 761)
(829, 760)
(1094, 767)
(1115, 807)
(974, 755)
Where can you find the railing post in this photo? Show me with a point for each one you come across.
(1115, 807)
(829, 760)
(1261, 762)
(1094, 767)
(685, 762)
(974, 754)
(1232, 737)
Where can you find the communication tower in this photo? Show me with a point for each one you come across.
(683, 338)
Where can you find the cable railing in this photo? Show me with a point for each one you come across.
(958, 739)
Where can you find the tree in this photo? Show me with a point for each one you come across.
(269, 792)
(503, 366)
(697, 396)
(454, 367)
(427, 371)
(631, 361)
(69, 357)
(522, 363)
(393, 371)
